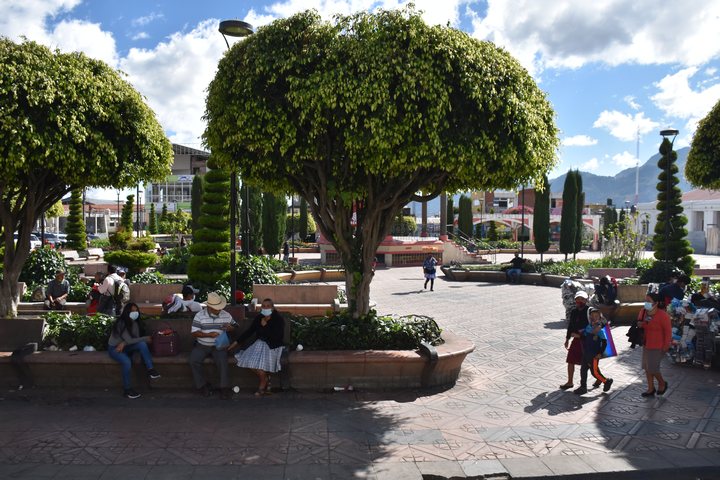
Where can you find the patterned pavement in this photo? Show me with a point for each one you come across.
(504, 418)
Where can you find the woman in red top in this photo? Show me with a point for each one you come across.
(657, 330)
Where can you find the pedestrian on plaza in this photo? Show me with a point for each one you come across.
(429, 271)
(208, 324)
(57, 292)
(286, 252)
(109, 286)
(263, 356)
(657, 334)
(513, 273)
(594, 342)
(576, 325)
(93, 297)
(125, 341)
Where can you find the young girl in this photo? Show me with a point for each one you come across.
(594, 343)
(429, 270)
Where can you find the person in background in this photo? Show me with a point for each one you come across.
(429, 271)
(594, 343)
(576, 325)
(106, 304)
(125, 341)
(657, 334)
(515, 270)
(674, 289)
(286, 252)
(188, 299)
(94, 295)
(57, 292)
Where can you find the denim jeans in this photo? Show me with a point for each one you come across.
(124, 358)
(513, 275)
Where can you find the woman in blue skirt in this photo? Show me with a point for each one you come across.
(263, 356)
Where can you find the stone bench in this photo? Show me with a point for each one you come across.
(71, 255)
(305, 299)
(91, 268)
(38, 308)
(95, 253)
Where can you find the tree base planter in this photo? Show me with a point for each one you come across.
(306, 370)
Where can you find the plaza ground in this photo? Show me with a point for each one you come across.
(504, 418)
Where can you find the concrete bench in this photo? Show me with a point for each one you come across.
(95, 253)
(613, 272)
(142, 293)
(71, 255)
(306, 299)
(38, 308)
(91, 268)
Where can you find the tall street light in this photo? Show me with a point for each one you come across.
(670, 132)
(236, 28)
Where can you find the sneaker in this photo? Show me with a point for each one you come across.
(153, 374)
(130, 393)
(608, 384)
(225, 393)
(206, 390)
(580, 390)
(597, 383)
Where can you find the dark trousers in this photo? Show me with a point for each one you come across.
(197, 357)
(592, 364)
(17, 360)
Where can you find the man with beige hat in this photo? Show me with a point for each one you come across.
(208, 324)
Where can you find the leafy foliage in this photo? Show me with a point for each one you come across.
(622, 242)
(132, 259)
(274, 217)
(580, 205)
(121, 238)
(66, 331)
(126, 217)
(154, 278)
(152, 220)
(255, 269)
(41, 265)
(656, 272)
(142, 244)
(343, 332)
(568, 220)
(465, 225)
(175, 260)
(703, 163)
(671, 245)
(99, 243)
(176, 222)
(568, 268)
(450, 215)
(309, 226)
(196, 194)
(75, 228)
(404, 226)
(252, 199)
(306, 223)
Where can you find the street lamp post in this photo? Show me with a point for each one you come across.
(292, 223)
(236, 28)
(522, 223)
(671, 132)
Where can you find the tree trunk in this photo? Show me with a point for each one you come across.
(12, 265)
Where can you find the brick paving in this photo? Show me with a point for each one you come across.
(505, 417)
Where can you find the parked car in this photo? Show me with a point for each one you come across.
(92, 236)
(54, 240)
(34, 241)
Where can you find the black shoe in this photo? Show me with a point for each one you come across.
(566, 386)
(580, 390)
(130, 393)
(651, 393)
(225, 393)
(608, 384)
(662, 392)
(153, 374)
(597, 383)
(206, 390)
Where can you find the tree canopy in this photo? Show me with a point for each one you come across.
(359, 115)
(703, 163)
(66, 122)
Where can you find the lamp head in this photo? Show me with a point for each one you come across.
(670, 132)
(236, 28)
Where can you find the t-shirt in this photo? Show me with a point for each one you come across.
(672, 290)
(57, 289)
(517, 262)
(206, 323)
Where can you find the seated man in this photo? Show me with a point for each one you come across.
(513, 273)
(57, 291)
(184, 302)
(674, 289)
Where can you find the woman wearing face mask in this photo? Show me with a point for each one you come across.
(263, 356)
(657, 329)
(573, 336)
(124, 341)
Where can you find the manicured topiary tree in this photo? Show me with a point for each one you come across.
(152, 221)
(75, 228)
(671, 245)
(196, 202)
(274, 215)
(465, 220)
(568, 220)
(492, 232)
(359, 115)
(126, 217)
(541, 217)
(210, 250)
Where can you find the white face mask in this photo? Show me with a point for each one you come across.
(134, 315)
(266, 312)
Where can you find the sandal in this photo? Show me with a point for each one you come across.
(566, 386)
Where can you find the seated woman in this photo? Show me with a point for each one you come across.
(263, 356)
(124, 341)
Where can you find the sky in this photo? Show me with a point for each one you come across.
(615, 71)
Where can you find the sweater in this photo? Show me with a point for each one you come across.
(129, 337)
(658, 329)
(272, 333)
(578, 321)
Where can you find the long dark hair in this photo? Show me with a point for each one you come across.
(124, 322)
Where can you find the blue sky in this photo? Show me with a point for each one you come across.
(610, 68)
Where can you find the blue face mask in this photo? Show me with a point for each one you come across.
(648, 306)
(266, 312)
(134, 315)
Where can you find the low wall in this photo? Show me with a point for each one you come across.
(141, 293)
(613, 272)
(491, 276)
(631, 293)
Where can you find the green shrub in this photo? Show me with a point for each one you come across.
(79, 290)
(133, 260)
(142, 244)
(175, 260)
(254, 269)
(342, 332)
(570, 268)
(154, 278)
(657, 272)
(66, 331)
(40, 266)
(100, 243)
(120, 239)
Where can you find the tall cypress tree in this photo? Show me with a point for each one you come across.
(568, 221)
(253, 196)
(465, 225)
(450, 215)
(274, 214)
(210, 250)
(303, 221)
(75, 228)
(677, 250)
(492, 232)
(196, 202)
(152, 221)
(580, 207)
(541, 218)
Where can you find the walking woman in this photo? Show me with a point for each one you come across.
(429, 271)
(124, 341)
(263, 356)
(573, 336)
(656, 325)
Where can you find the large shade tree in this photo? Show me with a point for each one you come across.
(66, 122)
(703, 163)
(360, 114)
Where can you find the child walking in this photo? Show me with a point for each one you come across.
(594, 343)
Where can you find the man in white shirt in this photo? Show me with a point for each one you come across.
(208, 324)
(185, 302)
(106, 304)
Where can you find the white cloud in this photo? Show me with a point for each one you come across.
(89, 38)
(624, 160)
(142, 21)
(579, 141)
(630, 100)
(591, 165)
(623, 126)
(174, 75)
(568, 33)
(140, 36)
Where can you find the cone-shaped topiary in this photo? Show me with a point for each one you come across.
(75, 228)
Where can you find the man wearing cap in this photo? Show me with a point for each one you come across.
(208, 324)
(188, 299)
(576, 325)
(57, 291)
